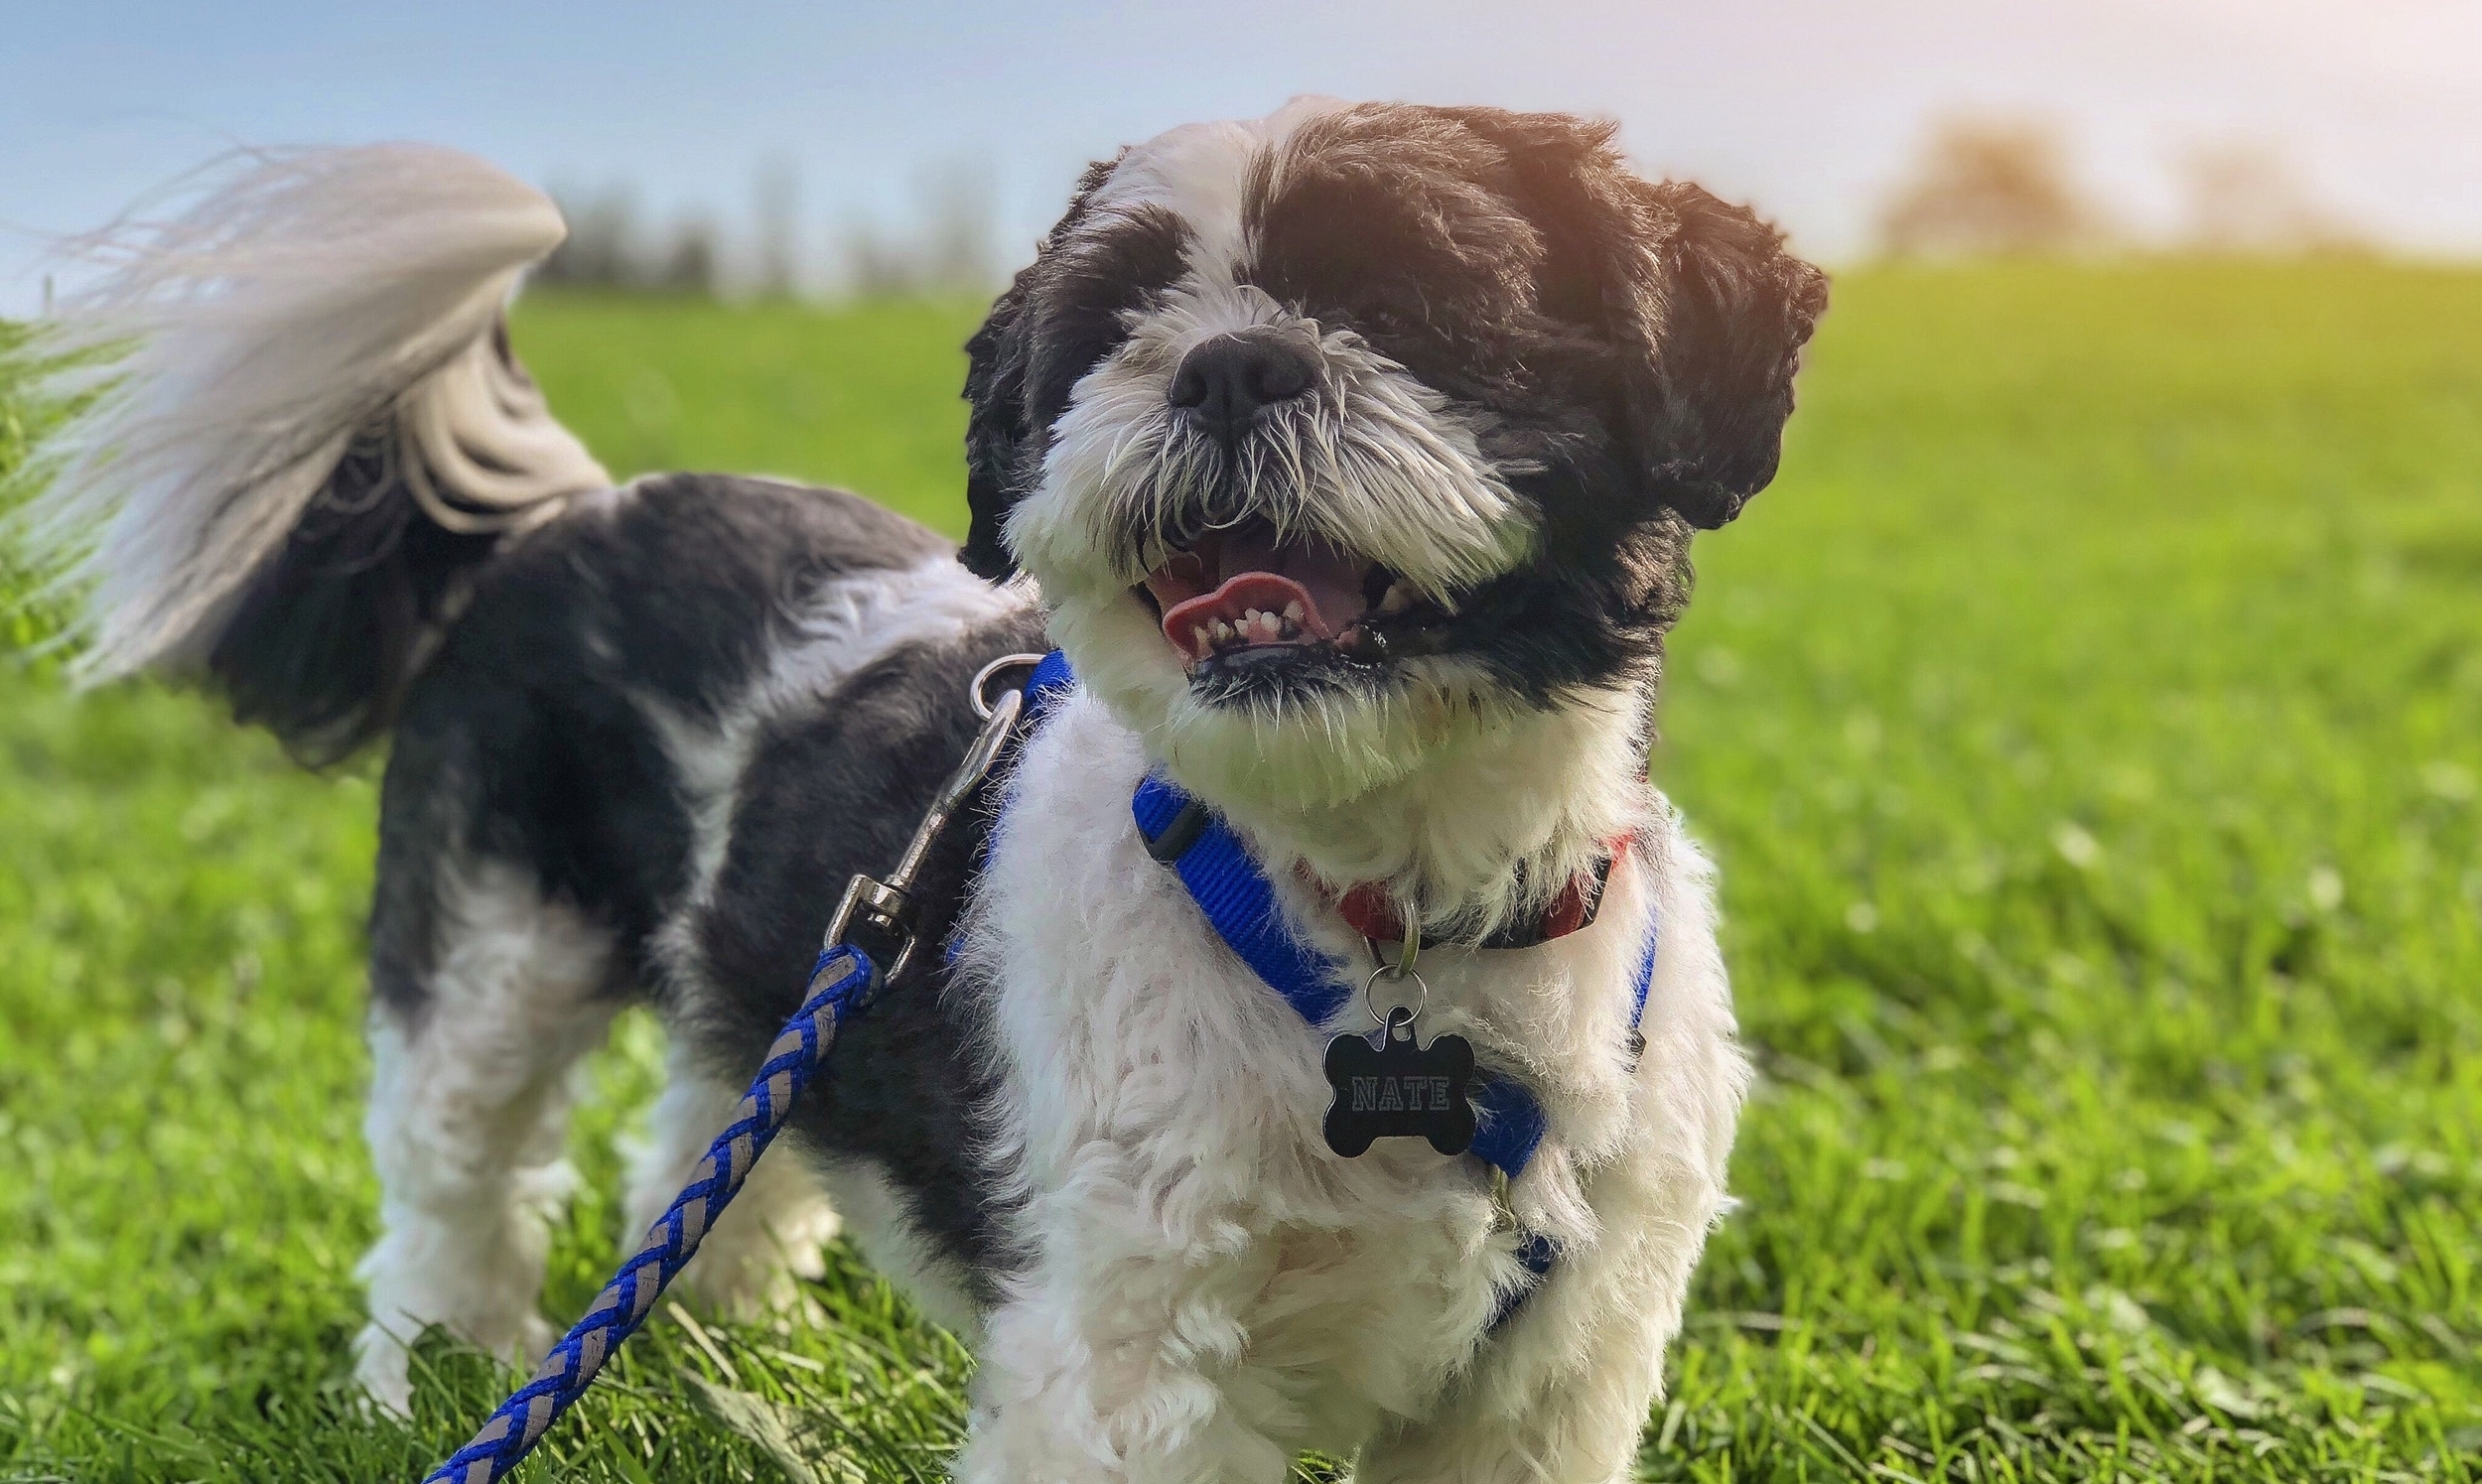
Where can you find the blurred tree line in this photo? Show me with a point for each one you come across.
(2005, 187)
(949, 245)
(1980, 187)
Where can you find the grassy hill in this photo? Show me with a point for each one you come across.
(2088, 724)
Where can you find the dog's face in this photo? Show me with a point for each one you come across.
(1336, 437)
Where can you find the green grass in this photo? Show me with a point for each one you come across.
(2090, 726)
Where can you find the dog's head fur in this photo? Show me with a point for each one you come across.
(1440, 394)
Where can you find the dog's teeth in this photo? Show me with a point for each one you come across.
(1200, 634)
(1249, 618)
(1293, 612)
(1270, 625)
(1223, 632)
(1397, 598)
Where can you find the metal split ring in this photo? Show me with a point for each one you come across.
(1408, 951)
(1394, 975)
(980, 690)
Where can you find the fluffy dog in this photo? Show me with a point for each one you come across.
(1352, 457)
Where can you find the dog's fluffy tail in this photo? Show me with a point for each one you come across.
(292, 430)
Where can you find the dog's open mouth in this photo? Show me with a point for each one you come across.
(1245, 593)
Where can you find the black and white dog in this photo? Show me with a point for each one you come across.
(1351, 456)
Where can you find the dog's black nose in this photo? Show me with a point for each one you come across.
(1225, 381)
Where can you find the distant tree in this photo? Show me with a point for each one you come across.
(2245, 198)
(601, 250)
(608, 248)
(875, 265)
(951, 247)
(957, 229)
(777, 211)
(1991, 187)
(691, 264)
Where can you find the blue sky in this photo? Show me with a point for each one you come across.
(1809, 107)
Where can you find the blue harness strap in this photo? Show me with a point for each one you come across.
(1235, 895)
(1050, 681)
(1240, 905)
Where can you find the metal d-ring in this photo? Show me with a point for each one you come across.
(1394, 975)
(980, 690)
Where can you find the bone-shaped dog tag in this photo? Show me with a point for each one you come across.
(1389, 1086)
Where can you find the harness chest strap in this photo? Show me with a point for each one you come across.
(1240, 905)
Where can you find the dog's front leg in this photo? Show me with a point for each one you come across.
(1131, 1369)
(1562, 1392)
(1579, 1423)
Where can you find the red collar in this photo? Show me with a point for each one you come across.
(1367, 909)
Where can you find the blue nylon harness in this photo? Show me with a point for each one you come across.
(1240, 905)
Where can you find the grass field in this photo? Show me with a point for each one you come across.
(2089, 724)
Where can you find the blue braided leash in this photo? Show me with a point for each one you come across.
(839, 984)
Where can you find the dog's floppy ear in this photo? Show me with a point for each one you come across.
(1702, 310)
(1721, 311)
(994, 429)
(998, 455)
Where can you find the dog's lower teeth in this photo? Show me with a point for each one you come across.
(1397, 598)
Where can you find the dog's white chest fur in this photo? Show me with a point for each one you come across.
(1203, 1272)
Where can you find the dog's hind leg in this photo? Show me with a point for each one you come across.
(768, 1238)
(473, 1043)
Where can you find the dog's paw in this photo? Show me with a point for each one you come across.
(383, 1364)
(751, 1269)
(757, 1254)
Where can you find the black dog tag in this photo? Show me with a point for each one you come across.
(1397, 1088)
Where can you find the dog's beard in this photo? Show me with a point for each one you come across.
(1308, 742)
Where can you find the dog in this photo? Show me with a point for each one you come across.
(1351, 457)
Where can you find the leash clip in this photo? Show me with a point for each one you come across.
(887, 908)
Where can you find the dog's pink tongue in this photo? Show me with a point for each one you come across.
(1247, 592)
(1254, 585)
(1332, 579)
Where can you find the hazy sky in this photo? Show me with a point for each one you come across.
(1809, 107)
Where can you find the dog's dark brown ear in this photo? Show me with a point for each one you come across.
(1721, 312)
(994, 429)
(998, 442)
(1702, 310)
